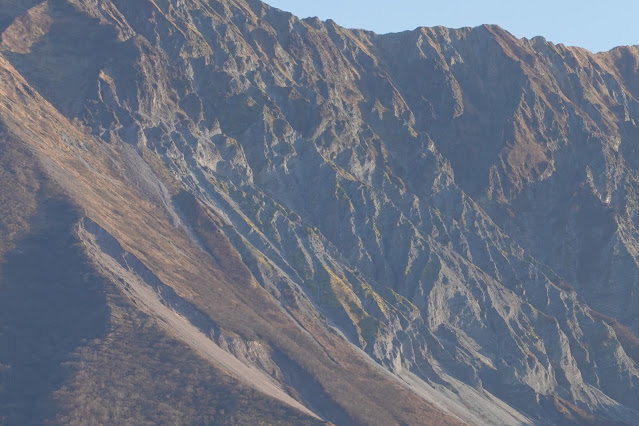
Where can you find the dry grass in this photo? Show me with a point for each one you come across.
(27, 29)
(137, 374)
(573, 413)
(19, 183)
(73, 348)
(629, 341)
(225, 290)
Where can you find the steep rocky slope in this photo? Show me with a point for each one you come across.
(436, 226)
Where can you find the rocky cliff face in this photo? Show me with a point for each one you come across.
(437, 225)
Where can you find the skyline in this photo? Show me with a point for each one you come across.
(574, 23)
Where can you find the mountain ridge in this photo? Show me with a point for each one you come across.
(538, 37)
(375, 193)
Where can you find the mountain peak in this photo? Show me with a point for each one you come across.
(327, 224)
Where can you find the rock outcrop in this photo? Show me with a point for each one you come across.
(431, 226)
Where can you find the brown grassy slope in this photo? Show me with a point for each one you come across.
(138, 374)
(75, 349)
(27, 29)
(50, 302)
(97, 183)
(19, 182)
(629, 340)
(72, 348)
(10, 9)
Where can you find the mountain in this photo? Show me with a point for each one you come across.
(213, 212)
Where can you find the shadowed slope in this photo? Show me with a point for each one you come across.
(140, 215)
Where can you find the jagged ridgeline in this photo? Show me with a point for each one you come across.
(213, 212)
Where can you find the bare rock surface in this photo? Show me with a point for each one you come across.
(430, 226)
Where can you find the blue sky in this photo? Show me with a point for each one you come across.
(594, 24)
